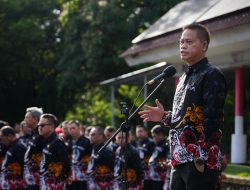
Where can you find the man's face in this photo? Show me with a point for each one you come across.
(192, 49)
(120, 138)
(141, 133)
(25, 129)
(30, 121)
(108, 134)
(65, 130)
(74, 130)
(95, 137)
(45, 128)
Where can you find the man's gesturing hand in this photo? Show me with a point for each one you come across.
(152, 113)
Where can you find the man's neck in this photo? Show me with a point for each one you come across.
(196, 61)
(76, 138)
(142, 139)
(47, 136)
(97, 145)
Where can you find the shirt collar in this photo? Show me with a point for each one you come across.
(196, 67)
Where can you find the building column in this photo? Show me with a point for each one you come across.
(239, 139)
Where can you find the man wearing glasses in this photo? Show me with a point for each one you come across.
(55, 164)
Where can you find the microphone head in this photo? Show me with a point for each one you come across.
(166, 73)
(169, 71)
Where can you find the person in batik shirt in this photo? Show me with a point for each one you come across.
(55, 164)
(158, 162)
(134, 177)
(197, 117)
(145, 146)
(33, 154)
(100, 167)
(81, 152)
(11, 177)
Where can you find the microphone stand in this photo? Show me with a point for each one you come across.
(124, 126)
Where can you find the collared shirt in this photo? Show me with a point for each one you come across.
(100, 168)
(197, 115)
(145, 148)
(158, 161)
(81, 152)
(134, 168)
(12, 167)
(55, 163)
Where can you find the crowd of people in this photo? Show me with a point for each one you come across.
(42, 154)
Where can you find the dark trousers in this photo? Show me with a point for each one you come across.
(153, 185)
(187, 177)
(77, 185)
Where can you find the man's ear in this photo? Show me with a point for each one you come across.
(205, 45)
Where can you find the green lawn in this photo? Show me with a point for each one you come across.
(238, 170)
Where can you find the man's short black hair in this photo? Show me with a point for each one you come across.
(52, 119)
(110, 129)
(7, 131)
(142, 127)
(76, 122)
(202, 31)
(99, 129)
(158, 129)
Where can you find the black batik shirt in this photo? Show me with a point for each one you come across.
(197, 115)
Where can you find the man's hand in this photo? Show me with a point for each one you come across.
(152, 113)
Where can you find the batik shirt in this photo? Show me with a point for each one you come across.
(145, 148)
(197, 115)
(81, 152)
(32, 160)
(158, 161)
(55, 164)
(134, 168)
(100, 169)
(12, 168)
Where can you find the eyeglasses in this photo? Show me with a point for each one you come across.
(43, 125)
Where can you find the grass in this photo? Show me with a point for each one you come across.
(237, 170)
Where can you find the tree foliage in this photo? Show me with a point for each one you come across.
(101, 31)
(28, 55)
(52, 51)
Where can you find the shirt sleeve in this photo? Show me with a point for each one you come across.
(214, 95)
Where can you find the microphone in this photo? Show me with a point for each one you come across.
(166, 73)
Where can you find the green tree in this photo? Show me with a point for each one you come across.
(95, 33)
(28, 52)
(94, 107)
(51, 51)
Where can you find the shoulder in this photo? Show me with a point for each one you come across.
(133, 149)
(212, 69)
(150, 141)
(214, 73)
(84, 140)
(56, 142)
